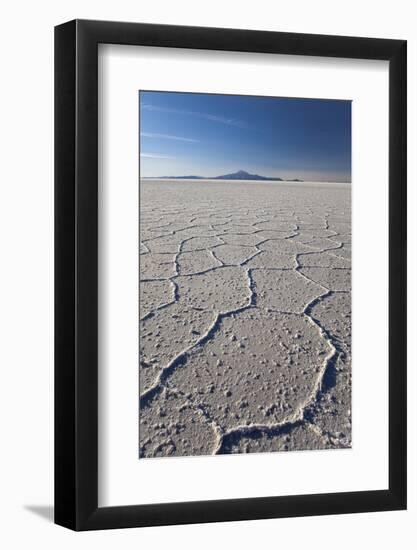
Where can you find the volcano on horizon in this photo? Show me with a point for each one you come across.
(239, 175)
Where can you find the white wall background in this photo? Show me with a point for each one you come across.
(26, 271)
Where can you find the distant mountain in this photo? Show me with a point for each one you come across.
(242, 175)
(239, 175)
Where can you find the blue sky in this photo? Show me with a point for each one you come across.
(210, 135)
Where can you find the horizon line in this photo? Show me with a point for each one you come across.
(252, 177)
(277, 179)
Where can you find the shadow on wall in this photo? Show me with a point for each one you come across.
(45, 512)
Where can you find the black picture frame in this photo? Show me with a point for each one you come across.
(76, 272)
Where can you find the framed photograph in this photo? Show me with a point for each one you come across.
(230, 248)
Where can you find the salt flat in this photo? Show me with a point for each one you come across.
(245, 317)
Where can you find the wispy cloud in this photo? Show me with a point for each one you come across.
(155, 156)
(206, 116)
(168, 136)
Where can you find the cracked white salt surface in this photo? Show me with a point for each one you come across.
(245, 317)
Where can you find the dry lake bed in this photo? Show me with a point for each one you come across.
(245, 317)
